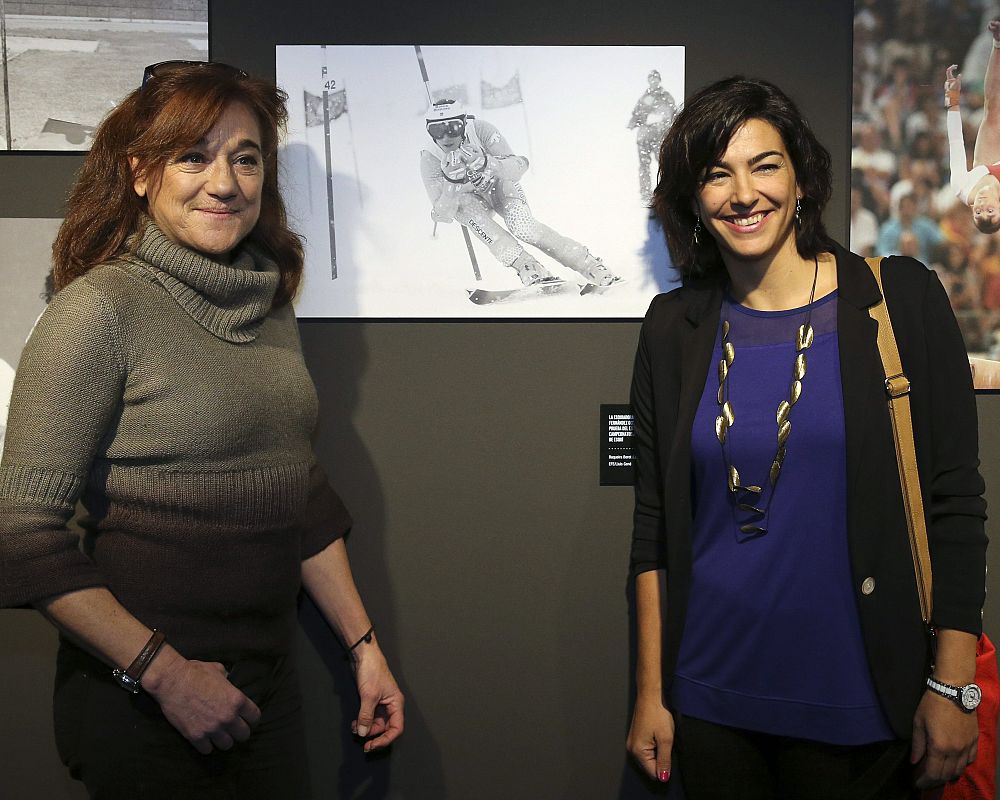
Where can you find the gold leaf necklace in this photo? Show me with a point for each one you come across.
(727, 415)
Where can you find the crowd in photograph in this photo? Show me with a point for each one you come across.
(902, 201)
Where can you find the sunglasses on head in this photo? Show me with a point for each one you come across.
(164, 67)
(446, 127)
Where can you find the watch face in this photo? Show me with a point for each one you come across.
(971, 695)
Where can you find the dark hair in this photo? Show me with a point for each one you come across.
(984, 225)
(172, 111)
(698, 138)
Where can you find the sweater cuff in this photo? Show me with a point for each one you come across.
(326, 518)
(39, 557)
(45, 564)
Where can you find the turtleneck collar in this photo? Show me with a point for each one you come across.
(228, 300)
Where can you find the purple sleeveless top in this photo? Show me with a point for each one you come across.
(772, 639)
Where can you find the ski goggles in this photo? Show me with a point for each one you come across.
(439, 129)
(163, 67)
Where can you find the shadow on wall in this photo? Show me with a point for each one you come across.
(31, 766)
(337, 356)
(654, 254)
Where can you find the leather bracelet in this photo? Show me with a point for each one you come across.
(129, 678)
(367, 639)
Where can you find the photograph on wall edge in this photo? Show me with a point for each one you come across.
(66, 65)
(925, 158)
(26, 245)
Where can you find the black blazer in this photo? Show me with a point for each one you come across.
(672, 362)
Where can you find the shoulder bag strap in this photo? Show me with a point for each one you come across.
(897, 387)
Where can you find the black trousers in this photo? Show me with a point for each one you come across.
(122, 747)
(718, 762)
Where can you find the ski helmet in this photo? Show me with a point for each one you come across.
(441, 110)
(445, 118)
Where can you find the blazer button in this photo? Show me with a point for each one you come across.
(868, 585)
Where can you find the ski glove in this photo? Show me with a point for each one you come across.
(474, 157)
(483, 181)
(453, 166)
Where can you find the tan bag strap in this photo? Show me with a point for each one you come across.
(897, 387)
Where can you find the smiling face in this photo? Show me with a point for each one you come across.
(986, 208)
(208, 195)
(747, 199)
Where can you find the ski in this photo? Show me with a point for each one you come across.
(593, 288)
(485, 297)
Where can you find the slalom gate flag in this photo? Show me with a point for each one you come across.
(500, 96)
(457, 91)
(336, 103)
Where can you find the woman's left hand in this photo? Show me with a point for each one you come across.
(328, 579)
(381, 714)
(944, 741)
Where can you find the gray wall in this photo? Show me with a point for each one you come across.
(490, 559)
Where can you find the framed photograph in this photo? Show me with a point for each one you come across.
(65, 66)
(26, 245)
(477, 181)
(925, 156)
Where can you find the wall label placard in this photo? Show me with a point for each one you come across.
(616, 445)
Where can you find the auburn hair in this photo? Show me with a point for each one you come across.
(175, 109)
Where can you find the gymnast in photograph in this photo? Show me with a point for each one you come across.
(471, 174)
(978, 188)
(164, 390)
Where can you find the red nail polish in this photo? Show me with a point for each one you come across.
(664, 775)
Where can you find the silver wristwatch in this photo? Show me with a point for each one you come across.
(965, 697)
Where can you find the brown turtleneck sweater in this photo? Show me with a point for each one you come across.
(163, 391)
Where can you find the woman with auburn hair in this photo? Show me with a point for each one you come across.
(781, 651)
(164, 388)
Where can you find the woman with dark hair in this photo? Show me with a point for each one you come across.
(164, 388)
(779, 631)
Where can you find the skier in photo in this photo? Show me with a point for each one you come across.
(471, 174)
(980, 188)
(651, 118)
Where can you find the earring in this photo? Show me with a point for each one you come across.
(798, 211)
(697, 228)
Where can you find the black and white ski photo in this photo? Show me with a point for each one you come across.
(435, 181)
(26, 245)
(66, 65)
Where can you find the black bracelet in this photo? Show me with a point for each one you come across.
(367, 639)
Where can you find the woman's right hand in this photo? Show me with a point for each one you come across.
(197, 698)
(651, 737)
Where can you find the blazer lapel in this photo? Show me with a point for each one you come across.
(704, 306)
(703, 313)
